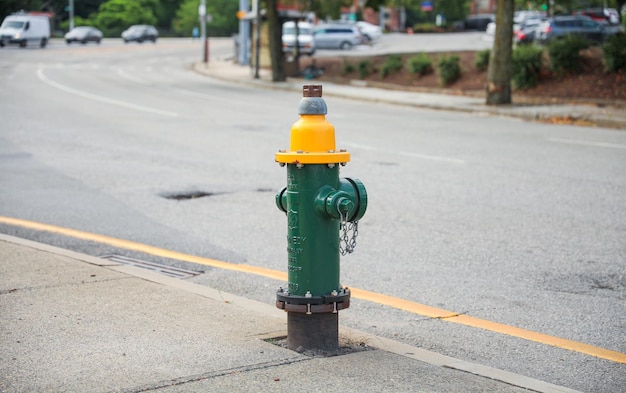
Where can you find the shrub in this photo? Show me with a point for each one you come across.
(526, 66)
(482, 59)
(565, 53)
(614, 53)
(393, 63)
(348, 68)
(449, 68)
(420, 64)
(364, 67)
(78, 21)
(426, 28)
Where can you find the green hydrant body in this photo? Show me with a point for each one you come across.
(319, 206)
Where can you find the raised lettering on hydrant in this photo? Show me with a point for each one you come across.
(322, 222)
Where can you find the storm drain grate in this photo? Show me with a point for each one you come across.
(155, 267)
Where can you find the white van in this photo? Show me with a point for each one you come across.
(23, 29)
(305, 38)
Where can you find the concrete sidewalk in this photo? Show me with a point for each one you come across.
(578, 114)
(76, 323)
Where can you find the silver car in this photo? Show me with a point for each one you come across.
(561, 26)
(83, 34)
(337, 36)
(140, 33)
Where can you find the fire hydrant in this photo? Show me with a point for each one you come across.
(322, 219)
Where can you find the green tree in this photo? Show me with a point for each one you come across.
(151, 6)
(83, 8)
(115, 16)
(327, 9)
(78, 21)
(166, 12)
(223, 13)
(453, 10)
(186, 18)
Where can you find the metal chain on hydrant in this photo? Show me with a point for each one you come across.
(345, 228)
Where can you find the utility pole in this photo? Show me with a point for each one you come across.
(205, 41)
(258, 39)
(71, 14)
(244, 34)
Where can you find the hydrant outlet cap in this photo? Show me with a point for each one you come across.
(312, 102)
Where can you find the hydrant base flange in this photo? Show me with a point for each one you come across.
(313, 304)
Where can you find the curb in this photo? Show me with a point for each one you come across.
(348, 334)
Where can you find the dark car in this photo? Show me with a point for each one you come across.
(561, 26)
(600, 15)
(478, 22)
(83, 34)
(140, 33)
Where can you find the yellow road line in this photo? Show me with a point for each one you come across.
(508, 330)
(134, 246)
(374, 297)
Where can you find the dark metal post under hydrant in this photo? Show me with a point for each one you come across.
(318, 205)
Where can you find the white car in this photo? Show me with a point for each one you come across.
(491, 29)
(520, 16)
(370, 32)
(306, 42)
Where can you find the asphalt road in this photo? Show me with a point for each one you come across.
(494, 218)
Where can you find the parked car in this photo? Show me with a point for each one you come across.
(600, 15)
(370, 32)
(520, 16)
(306, 42)
(478, 22)
(140, 33)
(337, 36)
(83, 34)
(491, 29)
(523, 23)
(524, 33)
(561, 26)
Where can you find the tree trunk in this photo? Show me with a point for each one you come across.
(275, 40)
(499, 76)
